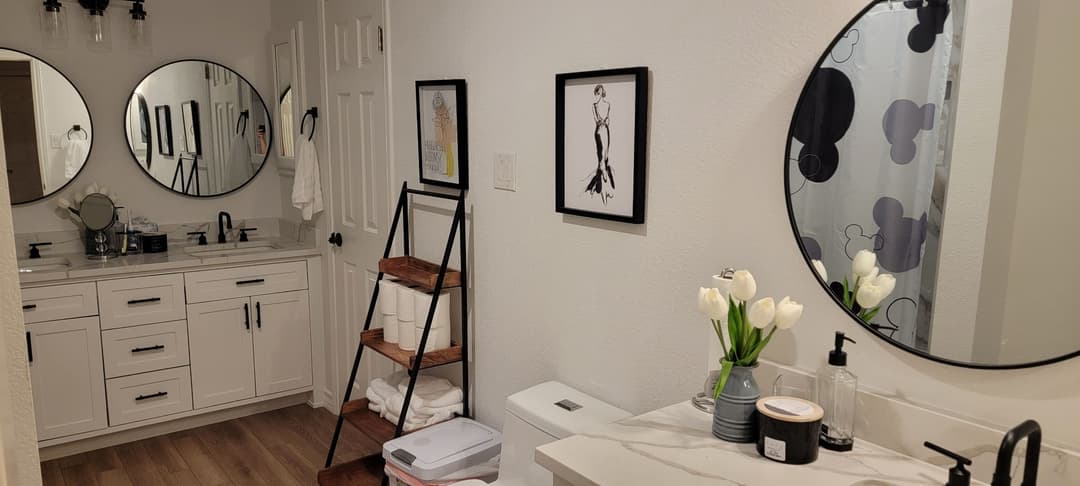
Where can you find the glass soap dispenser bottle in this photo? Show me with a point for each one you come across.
(836, 388)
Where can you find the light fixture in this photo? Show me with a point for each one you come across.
(99, 31)
(139, 30)
(54, 25)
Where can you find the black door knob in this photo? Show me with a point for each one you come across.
(335, 239)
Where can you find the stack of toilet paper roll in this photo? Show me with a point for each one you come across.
(404, 309)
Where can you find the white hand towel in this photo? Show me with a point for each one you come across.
(432, 392)
(240, 169)
(307, 193)
(75, 151)
(411, 425)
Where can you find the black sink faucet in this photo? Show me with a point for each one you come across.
(223, 224)
(1029, 429)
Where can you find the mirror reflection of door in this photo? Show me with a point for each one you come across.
(20, 132)
(284, 80)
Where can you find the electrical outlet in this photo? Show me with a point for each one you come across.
(505, 171)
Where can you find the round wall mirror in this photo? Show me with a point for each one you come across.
(924, 240)
(45, 127)
(198, 128)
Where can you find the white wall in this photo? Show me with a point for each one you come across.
(233, 33)
(610, 307)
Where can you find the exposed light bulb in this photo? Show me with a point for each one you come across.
(99, 35)
(54, 30)
(139, 27)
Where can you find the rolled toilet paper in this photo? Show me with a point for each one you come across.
(406, 335)
(388, 296)
(390, 327)
(405, 298)
(439, 337)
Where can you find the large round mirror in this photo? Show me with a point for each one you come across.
(198, 128)
(946, 232)
(45, 127)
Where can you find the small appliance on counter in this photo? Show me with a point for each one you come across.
(836, 393)
(155, 242)
(789, 429)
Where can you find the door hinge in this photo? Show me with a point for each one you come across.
(380, 39)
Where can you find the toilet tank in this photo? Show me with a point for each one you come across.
(545, 413)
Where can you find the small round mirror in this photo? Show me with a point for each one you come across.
(97, 212)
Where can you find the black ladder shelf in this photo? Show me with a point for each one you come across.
(430, 277)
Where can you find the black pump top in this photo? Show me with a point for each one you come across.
(838, 357)
(958, 475)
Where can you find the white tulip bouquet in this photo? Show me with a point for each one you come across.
(745, 325)
(867, 287)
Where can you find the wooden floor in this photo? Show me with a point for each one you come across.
(286, 446)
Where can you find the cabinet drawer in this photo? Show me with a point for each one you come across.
(141, 300)
(139, 349)
(149, 395)
(230, 283)
(59, 302)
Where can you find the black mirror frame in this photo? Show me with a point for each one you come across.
(269, 138)
(89, 151)
(806, 255)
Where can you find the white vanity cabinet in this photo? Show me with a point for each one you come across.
(257, 340)
(67, 376)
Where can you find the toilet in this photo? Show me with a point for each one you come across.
(544, 413)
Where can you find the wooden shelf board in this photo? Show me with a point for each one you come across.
(419, 272)
(370, 423)
(373, 339)
(366, 471)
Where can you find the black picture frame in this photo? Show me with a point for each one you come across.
(462, 132)
(189, 113)
(641, 112)
(163, 116)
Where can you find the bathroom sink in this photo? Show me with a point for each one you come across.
(230, 249)
(43, 264)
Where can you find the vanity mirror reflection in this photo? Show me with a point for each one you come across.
(210, 132)
(45, 124)
(979, 246)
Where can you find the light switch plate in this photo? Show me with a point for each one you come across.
(56, 141)
(505, 171)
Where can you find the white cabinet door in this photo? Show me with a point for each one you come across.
(67, 377)
(282, 342)
(219, 339)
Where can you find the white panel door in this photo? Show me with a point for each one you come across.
(282, 342)
(67, 377)
(220, 342)
(360, 194)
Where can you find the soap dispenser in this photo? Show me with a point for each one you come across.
(836, 388)
(958, 475)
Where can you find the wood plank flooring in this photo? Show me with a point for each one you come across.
(281, 447)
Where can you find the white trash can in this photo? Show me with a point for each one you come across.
(450, 451)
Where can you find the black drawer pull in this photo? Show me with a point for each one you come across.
(152, 395)
(250, 282)
(29, 347)
(247, 317)
(148, 348)
(144, 301)
(258, 314)
(29, 307)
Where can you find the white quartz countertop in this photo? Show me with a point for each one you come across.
(175, 259)
(674, 446)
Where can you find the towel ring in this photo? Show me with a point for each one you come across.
(242, 129)
(313, 112)
(77, 128)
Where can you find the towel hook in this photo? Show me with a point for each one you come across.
(77, 128)
(242, 119)
(313, 112)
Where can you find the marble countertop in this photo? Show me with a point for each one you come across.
(675, 446)
(176, 258)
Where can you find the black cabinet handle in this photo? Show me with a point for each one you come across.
(335, 239)
(258, 314)
(29, 307)
(247, 317)
(250, 282)
(148, 348)
(29, 347)
(152, 395)
(144, 301)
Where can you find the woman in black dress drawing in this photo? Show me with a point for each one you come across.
(602, 182)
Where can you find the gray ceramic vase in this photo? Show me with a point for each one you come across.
(735, 415)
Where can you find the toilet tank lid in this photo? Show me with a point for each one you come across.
(561, 411)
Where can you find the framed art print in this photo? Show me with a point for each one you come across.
(442, 133)
(600, 131)
(164, 129)
(192, 128)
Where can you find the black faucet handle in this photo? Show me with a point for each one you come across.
(958, 476)
(243, 233)
(201, 235)
(34, 252)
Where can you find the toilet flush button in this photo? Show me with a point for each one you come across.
(567, 405)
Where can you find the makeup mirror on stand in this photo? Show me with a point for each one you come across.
(98, 213)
